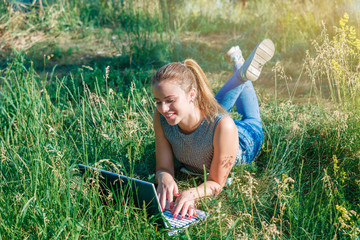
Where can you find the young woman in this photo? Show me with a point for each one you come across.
(195, 127)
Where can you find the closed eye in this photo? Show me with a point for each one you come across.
(168, 101)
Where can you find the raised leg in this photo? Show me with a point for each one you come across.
(247, 103)
(240, 92)
(230, 92)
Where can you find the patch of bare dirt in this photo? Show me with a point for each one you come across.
(17, 33)
(211, 40)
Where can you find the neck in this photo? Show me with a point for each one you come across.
(193, 122)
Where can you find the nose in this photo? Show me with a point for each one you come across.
(164, 107)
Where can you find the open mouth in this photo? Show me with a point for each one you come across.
(169, 116)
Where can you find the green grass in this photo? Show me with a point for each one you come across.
(305, 183)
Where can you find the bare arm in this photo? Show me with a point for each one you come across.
(164, 164)
(226, 145)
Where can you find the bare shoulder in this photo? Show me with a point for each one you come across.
(226, 124)
(225, 132)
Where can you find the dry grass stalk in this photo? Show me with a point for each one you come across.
(18, 33)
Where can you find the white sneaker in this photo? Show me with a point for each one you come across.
(253, 65)
(235, 54)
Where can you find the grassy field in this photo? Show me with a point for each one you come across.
(75, 88)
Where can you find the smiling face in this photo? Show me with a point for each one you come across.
(173, 102)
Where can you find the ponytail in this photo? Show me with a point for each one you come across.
(205, 97)
(190, 75)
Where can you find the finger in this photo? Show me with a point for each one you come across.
(177, 207)
(184, 210)
(177, 198)
(163, 201)
(176, 203)
(176, 191)
(170, 198)
(191, 213)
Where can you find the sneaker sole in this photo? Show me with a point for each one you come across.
(261, 54)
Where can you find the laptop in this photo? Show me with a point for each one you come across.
(142, 193)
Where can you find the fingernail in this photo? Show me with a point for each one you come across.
(162, 209)
(175, 215)
(182, 217)
(177, 194)
(190, 217)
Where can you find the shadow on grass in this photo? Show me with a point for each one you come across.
(151, 56)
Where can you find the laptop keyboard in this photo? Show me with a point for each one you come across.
(178, 224)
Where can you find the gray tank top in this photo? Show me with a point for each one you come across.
(195, 149)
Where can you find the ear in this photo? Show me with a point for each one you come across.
(193, 94)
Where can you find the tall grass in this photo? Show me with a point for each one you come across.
(143, 30)
(308, 168)
(43, 137)
(337, 61)
(304, 185)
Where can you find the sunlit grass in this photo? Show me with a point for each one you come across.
(304, 184)
(337, 61)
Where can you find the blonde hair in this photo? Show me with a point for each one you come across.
(190, 75)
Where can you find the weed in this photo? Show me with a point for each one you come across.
(304, 184)
(337, 61)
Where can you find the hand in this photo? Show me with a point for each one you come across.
(185, 204)
(166, 189)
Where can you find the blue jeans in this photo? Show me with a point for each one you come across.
(242, 94)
